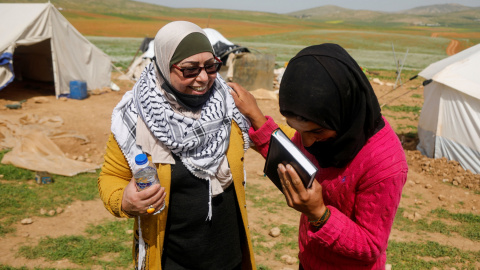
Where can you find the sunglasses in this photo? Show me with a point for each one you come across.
(195, 71)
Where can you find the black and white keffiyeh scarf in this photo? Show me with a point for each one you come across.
(200, 143)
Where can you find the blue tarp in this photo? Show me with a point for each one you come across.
(6, 60)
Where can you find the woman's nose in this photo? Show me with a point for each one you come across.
(203, 76)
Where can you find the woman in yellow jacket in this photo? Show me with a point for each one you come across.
(181, 114)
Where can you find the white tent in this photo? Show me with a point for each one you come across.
(38, 43)
(449, 124)
(222, 46)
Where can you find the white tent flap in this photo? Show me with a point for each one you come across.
(69, 55)
(449, 124)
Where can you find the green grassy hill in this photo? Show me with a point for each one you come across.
(118, 26)
(439, 15)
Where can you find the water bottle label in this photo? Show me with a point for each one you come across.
(143, 185)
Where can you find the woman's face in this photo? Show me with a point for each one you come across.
(310, 131)
(193, 86)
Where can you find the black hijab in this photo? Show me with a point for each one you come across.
(325, 85)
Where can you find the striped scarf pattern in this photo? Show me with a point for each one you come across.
(200, 143)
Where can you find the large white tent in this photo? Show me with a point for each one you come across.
(38, 43)
(449, 124)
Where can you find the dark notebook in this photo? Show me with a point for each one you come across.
(282, 150)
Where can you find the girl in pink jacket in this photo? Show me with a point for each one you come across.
(347, 214)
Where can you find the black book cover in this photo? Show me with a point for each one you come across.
(282, 150)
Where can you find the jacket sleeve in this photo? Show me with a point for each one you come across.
(114, 177)
(261, 136)
(366, 238)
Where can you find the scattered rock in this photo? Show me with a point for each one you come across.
(448, 170)
(428, 186)
(274, 232)
(377, 81)
(59, 210)
(441, 197)
(416, 216)
(458, 179)
(269, 245)
(40, 100)
(102, 90)
(51, 213)
(43, 211)
(388, 267)
(129, 231)
(418, 202)
(390, 84)
(288, 259)
(26, 221)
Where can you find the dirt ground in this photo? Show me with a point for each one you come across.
(431, 183)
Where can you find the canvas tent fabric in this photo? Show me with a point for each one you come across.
(146, 43)
(46, 47)
(449, 124)
(30, 139)
(222, 46)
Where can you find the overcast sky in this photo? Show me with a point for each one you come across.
(286, 6)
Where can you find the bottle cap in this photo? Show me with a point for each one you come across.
(141, 159)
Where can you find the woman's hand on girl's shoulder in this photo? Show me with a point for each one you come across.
(247, 105)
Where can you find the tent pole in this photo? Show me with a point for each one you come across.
(398, 75)
(56, 79)
(117, 69)
(135, 56)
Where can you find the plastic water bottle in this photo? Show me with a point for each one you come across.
(146, 175)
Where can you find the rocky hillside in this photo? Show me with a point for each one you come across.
(433, 15)
(436, 9)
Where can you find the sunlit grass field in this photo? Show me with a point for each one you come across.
(370, 50)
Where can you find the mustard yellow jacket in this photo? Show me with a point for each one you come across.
(116, 174)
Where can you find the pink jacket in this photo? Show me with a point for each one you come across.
(363, 198)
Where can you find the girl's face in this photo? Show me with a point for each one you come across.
(197, 85)
(310, 131)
